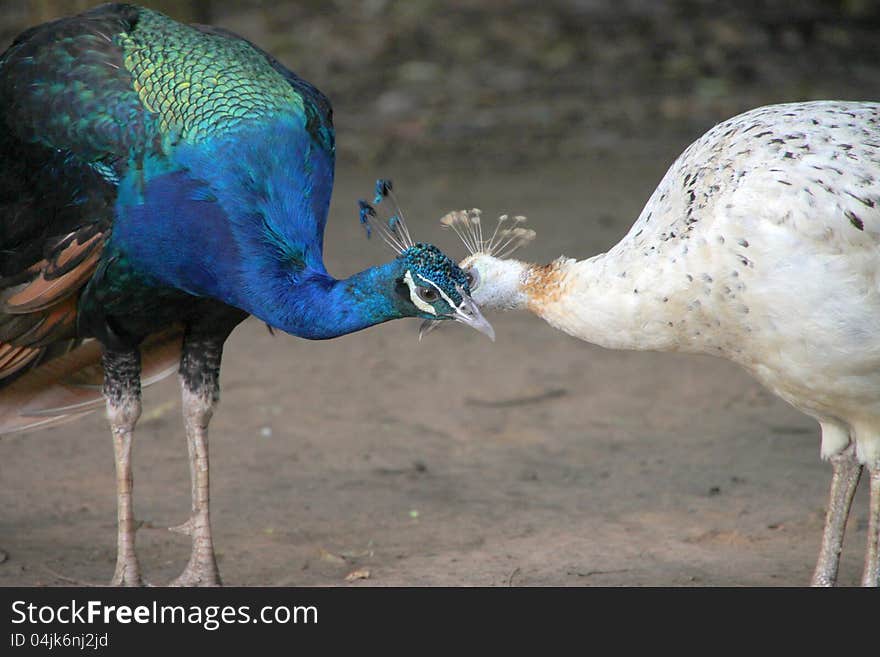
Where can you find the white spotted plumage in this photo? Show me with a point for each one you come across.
(760, 245)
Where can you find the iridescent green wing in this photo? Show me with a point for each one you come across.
(64, 85)
(119, 81)
(202, 82)
(317, 107)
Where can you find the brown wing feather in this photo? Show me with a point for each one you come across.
(69, 386)
(61, 274)
(14, 358)
(57, 322)
(38, 305)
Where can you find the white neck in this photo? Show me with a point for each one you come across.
(598, 300)
(503, 285)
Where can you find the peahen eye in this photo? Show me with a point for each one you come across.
(473, 279)
(427, 294)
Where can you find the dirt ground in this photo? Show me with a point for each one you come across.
(537, 460)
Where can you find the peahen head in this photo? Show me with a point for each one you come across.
(426, 282)
(495, 281)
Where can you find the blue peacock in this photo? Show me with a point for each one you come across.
(159, 183)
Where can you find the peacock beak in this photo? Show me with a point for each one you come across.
(467, 313)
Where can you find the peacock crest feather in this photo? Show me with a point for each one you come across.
(393, 229)
(508, 236)
(426, 261)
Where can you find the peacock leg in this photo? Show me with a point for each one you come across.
(844, 480)
(199, 374)
(871, 575)
(122, 389)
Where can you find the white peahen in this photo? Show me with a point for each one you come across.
(761, 245)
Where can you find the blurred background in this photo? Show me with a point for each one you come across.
(535, 460)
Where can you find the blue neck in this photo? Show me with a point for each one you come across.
(317, 306)
(242, 220)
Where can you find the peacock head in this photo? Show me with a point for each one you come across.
(427, 284)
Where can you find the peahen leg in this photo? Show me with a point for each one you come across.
(871, 575)
(122, 389)
(199, 374)
(844, 480)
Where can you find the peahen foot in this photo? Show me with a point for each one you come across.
(844, 481)
(871, 576)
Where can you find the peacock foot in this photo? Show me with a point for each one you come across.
(202, 567)
(198, 573)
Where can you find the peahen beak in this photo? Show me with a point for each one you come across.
(467, 313)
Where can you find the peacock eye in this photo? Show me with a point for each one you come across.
(473, 279)
(427, 294)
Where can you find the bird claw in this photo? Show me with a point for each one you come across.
(202, 567)
(127, 575)
(119, 584)
(183, 528)
(197, 576)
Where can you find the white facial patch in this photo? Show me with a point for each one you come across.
(424, 306)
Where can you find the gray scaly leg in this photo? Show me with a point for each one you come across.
(199, 374)
(122, 389)
(871, 575)
(844, 480)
